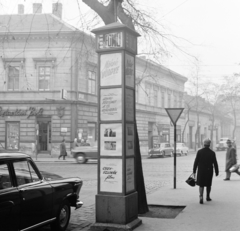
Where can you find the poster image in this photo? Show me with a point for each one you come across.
(129, 70)
(111, 69)
(129, 139)
(130, 175)
(109, 145)
(111, 104)
(129, 105)
(111, 175)
(111, 139)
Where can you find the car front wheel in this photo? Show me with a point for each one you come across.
(80, 158)
(63, 216)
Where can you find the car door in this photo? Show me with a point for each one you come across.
(9, 199)
(35, 193)
(168, 149)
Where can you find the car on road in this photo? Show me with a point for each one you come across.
(30, 198)
(222, 144)
(83, 153)
(181, 149)
(161, 149)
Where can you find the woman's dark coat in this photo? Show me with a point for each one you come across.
(204, 162)
(63, 151)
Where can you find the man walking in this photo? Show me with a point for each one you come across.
(204, 163)
(231, 159)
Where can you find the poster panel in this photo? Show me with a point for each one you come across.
(129, 70)
(130, 186)
(130, 139)
(111, 104)
(129, 105)
(111, 69)
(111, 175)
(111, 139)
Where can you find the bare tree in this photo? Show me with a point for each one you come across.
(211, 95)
(143, 20)
(231, 98)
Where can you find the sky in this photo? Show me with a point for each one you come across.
(209, 30)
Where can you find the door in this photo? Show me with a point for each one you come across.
(36, 195)
(44, 134)
(9, 200)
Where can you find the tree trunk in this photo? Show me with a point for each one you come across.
(140, 186)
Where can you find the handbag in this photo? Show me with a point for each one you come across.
(234, 168)
(191, 180)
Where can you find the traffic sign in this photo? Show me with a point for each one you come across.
(174, 114)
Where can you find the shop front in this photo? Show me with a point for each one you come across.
(33, 129)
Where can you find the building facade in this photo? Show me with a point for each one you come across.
(157, 88)
(48, 87)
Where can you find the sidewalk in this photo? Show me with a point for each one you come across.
(220, 214)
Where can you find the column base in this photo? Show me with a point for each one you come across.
(116, 227)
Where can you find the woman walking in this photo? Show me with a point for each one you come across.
(203, 164)
(231, 159)
(63, 152)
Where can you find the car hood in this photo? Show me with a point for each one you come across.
(50, 176)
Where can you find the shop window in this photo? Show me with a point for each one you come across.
(12, 135)
(44, 76)
(92, 132)
(92, 82)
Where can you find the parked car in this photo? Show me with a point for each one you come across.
(83, 153)
(222, 144)
(30, 198)
(162, 149)
(181, 149)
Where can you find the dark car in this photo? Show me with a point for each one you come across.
(30, 198)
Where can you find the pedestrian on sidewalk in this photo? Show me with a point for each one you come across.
(63, 152)
(75, 143)
(231, 159)
(204, 162)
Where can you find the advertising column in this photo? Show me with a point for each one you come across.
(116, 200)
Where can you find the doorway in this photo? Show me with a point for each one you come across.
(44, 135)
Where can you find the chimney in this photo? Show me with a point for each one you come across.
(37, 8)
(57, 9)
(20, 9)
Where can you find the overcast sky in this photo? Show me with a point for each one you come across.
(210, 26)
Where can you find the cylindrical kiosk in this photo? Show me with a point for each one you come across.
(116, 199)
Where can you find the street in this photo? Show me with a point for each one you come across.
(158, 173)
